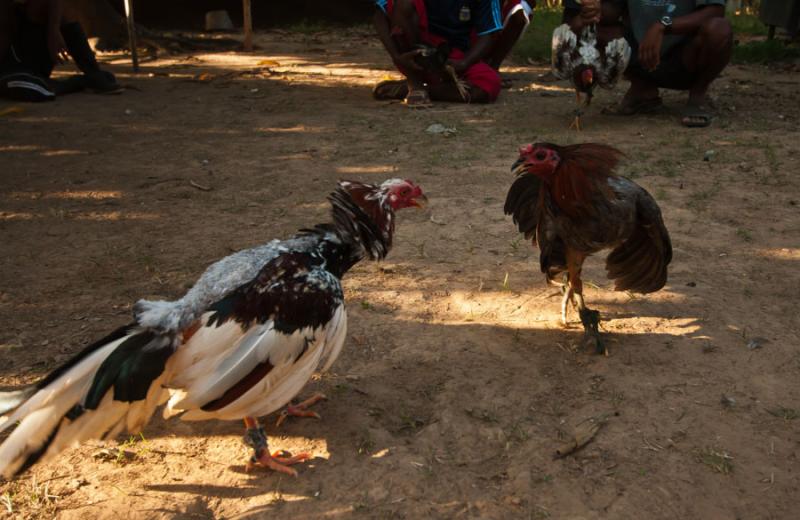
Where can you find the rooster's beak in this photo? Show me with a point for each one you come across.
(420, 202)
(515, 168)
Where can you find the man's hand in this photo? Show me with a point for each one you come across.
(405, 61)
(56, 46)
(650, 47)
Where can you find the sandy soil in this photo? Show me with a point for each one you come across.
(457, 383)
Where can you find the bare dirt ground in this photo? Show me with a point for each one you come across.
(457, 383)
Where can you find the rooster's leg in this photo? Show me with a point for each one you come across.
(301, 409)
(589, 318)
(576, 123)
(257, 439)
(568, 297)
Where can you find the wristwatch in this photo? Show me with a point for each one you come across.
(666, 21)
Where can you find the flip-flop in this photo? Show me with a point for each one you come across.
(396, 89)
(636, 106)
(696, 116)
(418, 98)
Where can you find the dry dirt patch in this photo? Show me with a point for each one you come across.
(457, 384)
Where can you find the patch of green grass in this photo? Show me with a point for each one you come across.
(365, 444)
(766, 51)
(744, 235)
(486, 416)
(719, 461)
(309, 26)
(536, 42)
(747, 24)
(787, 414)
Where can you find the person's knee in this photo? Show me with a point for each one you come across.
(717, 32)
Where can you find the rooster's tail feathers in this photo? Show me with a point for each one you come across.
(111, 386)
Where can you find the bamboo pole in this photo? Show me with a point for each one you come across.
(131, 34)
(248, 25)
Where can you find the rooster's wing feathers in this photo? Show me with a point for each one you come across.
(639, 264)
(564, 55)
(522, 202)
(614, 61)
(267, 335)
(259, 346)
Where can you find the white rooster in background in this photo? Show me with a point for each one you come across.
(587, 65)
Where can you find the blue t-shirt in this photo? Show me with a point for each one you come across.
(455, 20)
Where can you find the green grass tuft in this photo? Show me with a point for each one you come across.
(535, 43)
(747, 24)
(766, 51)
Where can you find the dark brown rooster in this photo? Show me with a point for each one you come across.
(570, 201)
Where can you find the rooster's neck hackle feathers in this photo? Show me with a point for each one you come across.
(583, 170)
(363, 217)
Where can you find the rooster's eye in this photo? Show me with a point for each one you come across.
(541, 156)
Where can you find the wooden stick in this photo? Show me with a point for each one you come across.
(131, 34)
(248, 26)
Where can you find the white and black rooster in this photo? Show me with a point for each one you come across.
(585, 64)
(240, 344)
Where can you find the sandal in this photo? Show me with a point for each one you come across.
(696, 116)
(635, 106)
(418, 98)
(394, 89)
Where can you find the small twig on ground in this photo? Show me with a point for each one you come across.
(200, 186)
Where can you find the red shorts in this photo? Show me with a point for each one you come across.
(480, 74)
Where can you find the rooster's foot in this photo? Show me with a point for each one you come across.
(576, 123)
(301, 409)
(276, 462)
(591, 326)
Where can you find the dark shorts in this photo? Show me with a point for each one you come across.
(480, 74)
(671, 72)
